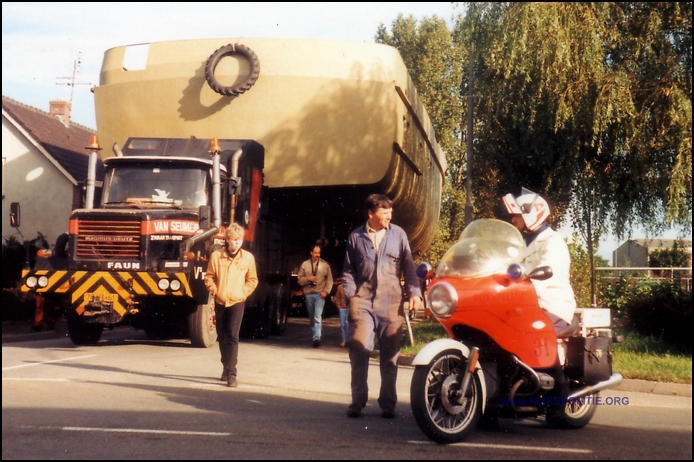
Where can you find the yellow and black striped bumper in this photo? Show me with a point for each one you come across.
(116, 289)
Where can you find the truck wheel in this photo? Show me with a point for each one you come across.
(83, 333)
(216, 57)
(61, 245)
(278, 309)
(201, 325)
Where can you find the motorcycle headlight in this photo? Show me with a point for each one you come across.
(443, 299)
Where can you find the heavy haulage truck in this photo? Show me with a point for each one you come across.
(284, 137)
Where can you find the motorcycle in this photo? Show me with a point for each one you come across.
(503, 358)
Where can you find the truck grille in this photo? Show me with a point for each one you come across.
(108, 239)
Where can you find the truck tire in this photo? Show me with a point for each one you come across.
(216, 57)
(201, 325)
(61, 245)
(83, 333)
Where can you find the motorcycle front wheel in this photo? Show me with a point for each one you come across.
(575, 413)
(441, 412)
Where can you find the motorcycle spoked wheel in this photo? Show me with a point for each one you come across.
(574, 414)
(442, 415)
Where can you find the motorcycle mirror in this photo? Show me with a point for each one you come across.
(515, 271)
(541, 273)
(425, 270)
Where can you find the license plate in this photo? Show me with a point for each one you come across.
(103, 298)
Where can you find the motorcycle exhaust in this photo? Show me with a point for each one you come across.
(614, 380)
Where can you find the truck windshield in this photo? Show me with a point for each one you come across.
(147, 185)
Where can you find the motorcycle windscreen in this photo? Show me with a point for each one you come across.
(485, 247)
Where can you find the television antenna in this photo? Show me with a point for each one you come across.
(71, 83)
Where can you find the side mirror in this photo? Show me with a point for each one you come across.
(205, 217)
(541, 273)
(14, 214)
(425, 271)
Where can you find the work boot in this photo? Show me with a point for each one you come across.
(353, 411)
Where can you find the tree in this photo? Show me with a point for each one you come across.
(590, 105)
(673, 257)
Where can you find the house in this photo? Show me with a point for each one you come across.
(634, 253)
(44, 168)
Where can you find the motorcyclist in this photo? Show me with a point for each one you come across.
(545, 247)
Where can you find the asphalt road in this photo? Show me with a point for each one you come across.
(132, 398)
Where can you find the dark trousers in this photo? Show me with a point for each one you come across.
(228, 326)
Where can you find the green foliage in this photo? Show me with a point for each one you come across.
(581, 273)
(674, 257)
(655, 309)
(423, 332)
(649, 358)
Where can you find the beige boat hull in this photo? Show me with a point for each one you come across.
(329, 114)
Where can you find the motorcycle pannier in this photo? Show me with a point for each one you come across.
(589, 359)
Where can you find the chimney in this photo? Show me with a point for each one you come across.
(61, 110)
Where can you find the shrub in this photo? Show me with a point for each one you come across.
(656, 309)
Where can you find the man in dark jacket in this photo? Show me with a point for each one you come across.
(378, 256)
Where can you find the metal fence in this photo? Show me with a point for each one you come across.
(680, 277)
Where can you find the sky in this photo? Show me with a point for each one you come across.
(42, 41)
(45, 44)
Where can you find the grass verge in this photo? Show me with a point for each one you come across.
(638, 357)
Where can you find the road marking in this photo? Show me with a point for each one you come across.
(141, 430)
(45, 362)
(509, 446)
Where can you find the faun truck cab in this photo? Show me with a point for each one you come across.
(142, 254)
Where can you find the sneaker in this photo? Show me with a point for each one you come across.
(316, 343)
(231, 382)
(343, 344)
(353, 411)
(387, 413)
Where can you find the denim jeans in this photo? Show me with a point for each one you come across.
(344, 326)
(314, 306)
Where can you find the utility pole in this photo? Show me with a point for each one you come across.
(469, 209)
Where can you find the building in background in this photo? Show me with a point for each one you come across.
(44, 168)
(635, 252)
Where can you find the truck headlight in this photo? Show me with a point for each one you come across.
(443, 299)
(163, 284)
(175, 285)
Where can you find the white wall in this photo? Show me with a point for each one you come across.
(42, 190)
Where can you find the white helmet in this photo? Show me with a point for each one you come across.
(531, 206)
